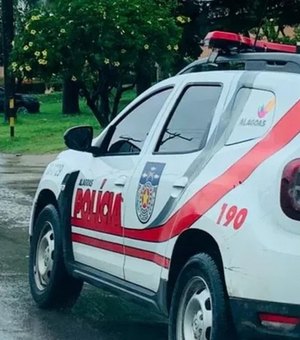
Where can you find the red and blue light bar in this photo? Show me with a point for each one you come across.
(227, 40)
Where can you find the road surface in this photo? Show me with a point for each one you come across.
(96, 315)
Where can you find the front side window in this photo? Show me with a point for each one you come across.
(130, 133)
(188, 128)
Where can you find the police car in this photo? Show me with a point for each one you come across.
(189, 201)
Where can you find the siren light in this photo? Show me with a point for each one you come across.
(228, 41)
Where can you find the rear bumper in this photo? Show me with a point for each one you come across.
(248, 325)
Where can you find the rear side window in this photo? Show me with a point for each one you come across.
(188, 127)
(255, 109)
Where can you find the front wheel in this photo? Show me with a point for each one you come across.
(199, 308)
(50, 284)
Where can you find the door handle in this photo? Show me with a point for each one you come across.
(121, 181)
(180, 183)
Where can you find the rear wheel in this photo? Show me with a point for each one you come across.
(22, 110)
(199, 308)
(51, 285)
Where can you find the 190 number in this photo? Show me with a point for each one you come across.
(232, 215)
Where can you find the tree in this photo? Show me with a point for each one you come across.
(96, 44)
(198, 17)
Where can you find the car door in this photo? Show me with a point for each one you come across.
(98, 198)
(162, 177)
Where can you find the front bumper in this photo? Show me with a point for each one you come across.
(248, 324)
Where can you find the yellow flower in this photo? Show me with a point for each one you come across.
(176, 48)
(123, 50)
(62, 30)
(73, 78)
(35, 17)
(33, 32)
(21, 68)
(42, 62)
(116, 63)
(37, 53)
(44, 53)
(169, 47)
(146, 47)
(26, 47)
(28, 68)
(14, 66)
(181, 19)
(30, 43)
(106, 61)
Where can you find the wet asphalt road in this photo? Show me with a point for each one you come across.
(96, 315)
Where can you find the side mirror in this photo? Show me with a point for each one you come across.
(79, 138)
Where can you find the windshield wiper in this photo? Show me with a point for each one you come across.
(173, 135)
(130, 139)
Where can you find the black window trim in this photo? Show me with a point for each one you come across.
(188, 85)
(113, 127)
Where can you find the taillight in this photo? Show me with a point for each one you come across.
(290, 190)
(279, 321)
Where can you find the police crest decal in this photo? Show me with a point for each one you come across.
(147, 189)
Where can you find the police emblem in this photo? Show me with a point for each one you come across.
(146, 192)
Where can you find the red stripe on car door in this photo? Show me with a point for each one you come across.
(118, 248)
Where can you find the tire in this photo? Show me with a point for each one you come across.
(199, 306)
(22, 110)
(50, 284)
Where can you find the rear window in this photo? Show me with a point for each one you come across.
(255, 109)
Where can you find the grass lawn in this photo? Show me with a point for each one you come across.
(43, 132)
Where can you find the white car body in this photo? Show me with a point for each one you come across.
(228, 191)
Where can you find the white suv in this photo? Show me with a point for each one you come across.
(188, 201)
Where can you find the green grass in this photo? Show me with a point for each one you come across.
(43, 132)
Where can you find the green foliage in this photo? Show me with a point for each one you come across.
(97, 43)
(79, 38)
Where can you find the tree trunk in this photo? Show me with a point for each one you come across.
(144, 71)
(143, 79)
(70, 97)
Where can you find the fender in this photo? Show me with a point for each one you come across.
(51, 180)
(65, 205)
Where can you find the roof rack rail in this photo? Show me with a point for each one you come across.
(235, 51)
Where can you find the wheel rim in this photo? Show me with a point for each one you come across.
(44, 257)
(22, 109)
(195, 313)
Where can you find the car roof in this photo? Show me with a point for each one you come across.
(270, 61)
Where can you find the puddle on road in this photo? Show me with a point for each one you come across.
(14, 208)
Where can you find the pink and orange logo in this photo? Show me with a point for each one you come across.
(265, 109)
